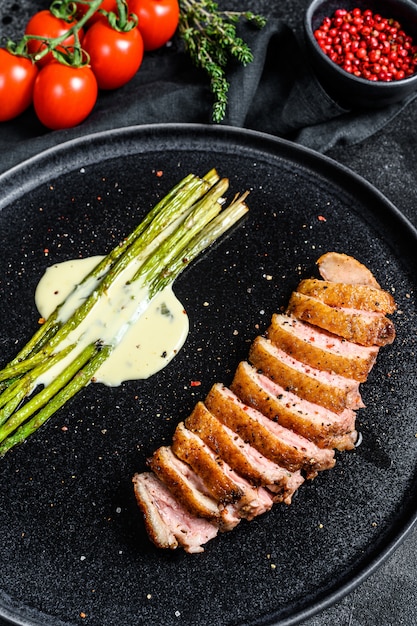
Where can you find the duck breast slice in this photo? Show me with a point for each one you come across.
(342, 268)
(214, 472)
(188, 488)
(320, 349)
(312, 421)
(327, 389)
(347, 296)
(365, 328)
(168, 523)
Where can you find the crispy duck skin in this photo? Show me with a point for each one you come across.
(311, 421)
(347, 296)
(188, 447)
(277, 443)
(330, 390)
(242, 457)
(321, 349)
(341, 268)
(367, 329)
(168, 523)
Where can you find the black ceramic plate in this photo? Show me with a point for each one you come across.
(72, 543)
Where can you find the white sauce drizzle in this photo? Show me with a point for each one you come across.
(146, 336)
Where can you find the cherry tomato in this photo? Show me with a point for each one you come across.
(17, 77)
(44, 24)
(158, 20)
(115, 56)
(63, 96)
(107, 5)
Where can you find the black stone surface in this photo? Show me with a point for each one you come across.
(382, 149)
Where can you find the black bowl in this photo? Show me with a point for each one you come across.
(347, 89)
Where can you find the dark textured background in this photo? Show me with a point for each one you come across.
(380, 147)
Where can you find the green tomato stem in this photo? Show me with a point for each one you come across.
(54, 42)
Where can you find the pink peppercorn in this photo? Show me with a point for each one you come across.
(367, 45)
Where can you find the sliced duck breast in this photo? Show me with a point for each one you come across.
(277, 443)
(168, 523)
(312, 421)
(235, 497)
(188, 488)
(330, 390)
(342, 268)
(286, 412)
(242, 457)
(316, 347)
(347, 296)
(365, 328)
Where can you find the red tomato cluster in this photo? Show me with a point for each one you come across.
(64, 95)
(368, 45)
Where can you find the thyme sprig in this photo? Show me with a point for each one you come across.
(210, 38)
